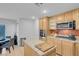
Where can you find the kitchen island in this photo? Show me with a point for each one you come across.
(30, 48)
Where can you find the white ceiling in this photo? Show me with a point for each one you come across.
(27, 10)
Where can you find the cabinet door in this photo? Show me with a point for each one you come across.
(41, 24)
(69, 16)
(45, 23)
(68, 48)
(58, 47)
(77, 49)
(60, 18)
(76, 17)
(52, 22)
(28, 51)
(76, 14)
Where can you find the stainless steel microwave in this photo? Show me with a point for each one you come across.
(66, 25)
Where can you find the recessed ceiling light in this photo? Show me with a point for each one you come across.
(33, 17)
(44, 11)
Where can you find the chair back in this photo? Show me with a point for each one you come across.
(8, 44)
(11, 41)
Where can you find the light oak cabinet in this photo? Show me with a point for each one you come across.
(69, 15)
(76, 17)
(68, 48)
(58, 46)
(63, 47)
(77, 49)
(28, 51)
(43, 26)
(52, 22)
(43, 23)
(76, 14)
(77, 24)
(65, 17)
(60, 18)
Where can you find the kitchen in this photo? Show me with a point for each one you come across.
(53, 31)
(59, 34)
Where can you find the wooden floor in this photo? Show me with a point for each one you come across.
(18, 51)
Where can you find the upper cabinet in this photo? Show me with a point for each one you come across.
(65, 17)
(60, 18)
(43, 23)
(69, 16)
(76, 17)
(52, 22)
(63, 20)
(76, 14)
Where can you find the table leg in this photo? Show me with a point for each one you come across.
(0, 50)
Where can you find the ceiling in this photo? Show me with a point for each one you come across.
(31, 10)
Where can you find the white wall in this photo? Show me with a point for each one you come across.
(36, 29)
(10, 28)
(29, 29)
(26, 29)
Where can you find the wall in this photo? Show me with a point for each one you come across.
(26, 29)
(9, 26)
(36, 31)
(29, 29)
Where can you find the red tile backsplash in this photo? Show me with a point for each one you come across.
(68, 32)
(65, 32)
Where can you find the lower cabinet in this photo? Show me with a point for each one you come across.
(77, 49)
(68, 48)
(58, 47)
(28, 51)
(65, 48)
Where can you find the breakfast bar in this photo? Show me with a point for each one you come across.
(39, 48)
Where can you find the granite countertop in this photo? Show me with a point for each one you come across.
(74, 41)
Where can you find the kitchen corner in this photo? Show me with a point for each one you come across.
(63, 30)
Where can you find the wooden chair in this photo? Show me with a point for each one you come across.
(8, 44)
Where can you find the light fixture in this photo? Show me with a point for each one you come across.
(38, 4)
(44, 11)
(33, 17)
